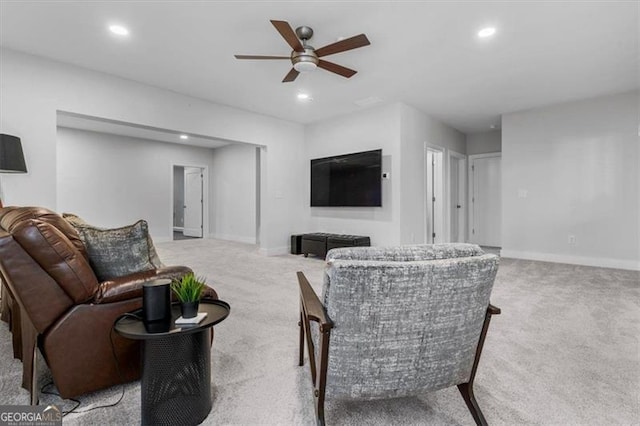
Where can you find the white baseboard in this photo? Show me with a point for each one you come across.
(274, 251)
(236, 238)
(572, 260)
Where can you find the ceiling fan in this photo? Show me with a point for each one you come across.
(305, 57)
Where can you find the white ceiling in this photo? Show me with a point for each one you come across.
(425, 54)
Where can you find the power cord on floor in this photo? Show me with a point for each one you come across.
(115, 357)
(46, 392)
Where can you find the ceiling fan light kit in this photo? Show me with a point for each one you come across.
(305, 61)
(304, 57)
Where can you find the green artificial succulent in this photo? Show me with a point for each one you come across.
(188, 288)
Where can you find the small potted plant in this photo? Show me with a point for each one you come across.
(188, 290)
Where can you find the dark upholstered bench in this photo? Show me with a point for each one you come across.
(320, 243)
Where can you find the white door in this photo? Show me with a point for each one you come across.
(435, 197)
(457, 202)
(193, 202)
(486, 200)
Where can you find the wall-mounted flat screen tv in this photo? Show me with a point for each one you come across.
(351, 180)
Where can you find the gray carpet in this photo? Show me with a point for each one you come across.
(564, 351)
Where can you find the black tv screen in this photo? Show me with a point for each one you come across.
(351, 180)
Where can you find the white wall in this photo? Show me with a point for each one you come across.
(484, 142)
(111, 180)
(578, 163)
(233, 189)
(401, 131)
(362, 131)
(417, 128)
(34, 89)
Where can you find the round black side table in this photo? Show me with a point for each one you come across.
(176, 366)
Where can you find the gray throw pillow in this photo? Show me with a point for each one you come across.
(117, 252)
(76, 221)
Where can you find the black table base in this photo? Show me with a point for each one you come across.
(176, 380)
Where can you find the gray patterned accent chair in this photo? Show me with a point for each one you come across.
(397, 321)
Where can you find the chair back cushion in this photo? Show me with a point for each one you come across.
(404, 327)
(10, 217)
(32, 288)
(49, 247)
(406, 253)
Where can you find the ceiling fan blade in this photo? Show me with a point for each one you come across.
(288, 34)
(260, 57)
(335, 68)
(343, 45)
(292, 75)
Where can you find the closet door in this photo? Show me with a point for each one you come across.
(486, 200)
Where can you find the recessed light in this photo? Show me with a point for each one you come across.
(119, 30)
(304, 96)
(184, 137)
(486, 32)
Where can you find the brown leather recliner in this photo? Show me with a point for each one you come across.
(55, 301)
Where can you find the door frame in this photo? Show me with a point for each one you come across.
(260, 165)
(443, 225)
(462, 184)
(205, 196)
(470, 181)
(173, 184)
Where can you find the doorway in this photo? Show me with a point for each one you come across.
(188, 202)
(434, 196)
(485, 199)
(457, 197)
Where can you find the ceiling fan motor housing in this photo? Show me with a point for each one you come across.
(304, 32)
(304, 61)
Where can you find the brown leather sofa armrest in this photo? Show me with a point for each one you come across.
(209, 293)
(130, 286)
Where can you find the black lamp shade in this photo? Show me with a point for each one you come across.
(11, 155)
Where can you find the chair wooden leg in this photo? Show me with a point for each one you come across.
(311, 309)
(321, 382)
(301, 350)
(320, 411)
(466, 389)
